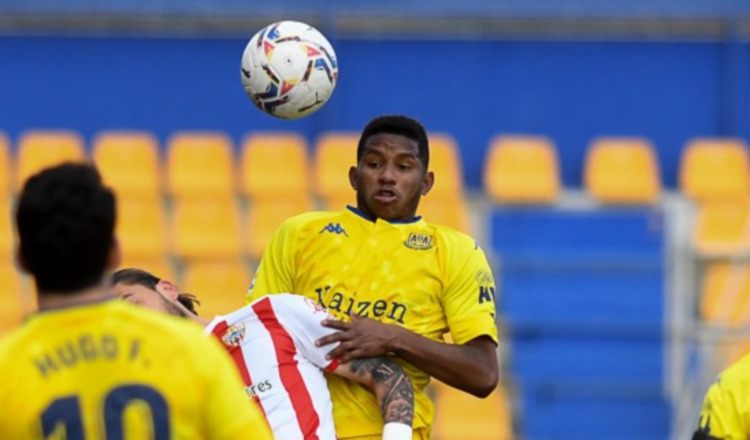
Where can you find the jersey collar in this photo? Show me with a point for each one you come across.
(361, 214)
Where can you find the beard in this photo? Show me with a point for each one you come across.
(172, 309)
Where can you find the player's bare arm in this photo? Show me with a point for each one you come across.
(471, 367)
(392, 387)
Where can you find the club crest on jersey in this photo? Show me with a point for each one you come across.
(234, 335)
(419, 242)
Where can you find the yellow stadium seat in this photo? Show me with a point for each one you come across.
(522, 169)
(200, 165)
(160, 267)
(266, 216)
(725, 293)
(206, 228)
(41, 149)
(623, 171)
(445, 162)
(334, 155)
(7, 231)
(461, 416)
(13, 302)
(714, 169)
(129, 162)
(451, 212)
(140, 227)
(220, 286)
(6, 181)
(722, 228)
(275, 165)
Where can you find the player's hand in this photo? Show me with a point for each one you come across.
(360, 338)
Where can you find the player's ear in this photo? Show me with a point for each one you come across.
(168, 289)
(114, 259)
(427, 181)
(353, 177)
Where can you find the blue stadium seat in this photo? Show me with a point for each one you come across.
(583, 294)
(589, 412)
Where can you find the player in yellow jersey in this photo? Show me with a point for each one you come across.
(408, 282)
(726, 408)
(90, 367)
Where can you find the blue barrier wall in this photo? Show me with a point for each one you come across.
(571, 91)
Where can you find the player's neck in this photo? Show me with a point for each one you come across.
(200, 320)
(56, 300)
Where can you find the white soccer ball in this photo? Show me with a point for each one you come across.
(289, 69)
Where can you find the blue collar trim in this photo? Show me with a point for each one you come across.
(394, 222)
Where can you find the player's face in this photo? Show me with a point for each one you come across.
(390, 178)
(151, 299)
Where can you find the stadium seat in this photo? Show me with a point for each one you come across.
(451, 212)
(265, 216)
(13, 301)
(206, 228)
(334, 155)
(275, 165)
(722, 228)
(522, 169)
(129, 162)
(7, 232)
(713, 169)
(160, 267)
(41, 149)
(445, 162)
(200, 165)
(622, 171)
(725, 294)
(220, 286)
(5, 168)
(140, 227)
(461, 416)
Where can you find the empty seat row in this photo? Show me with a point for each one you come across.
(525, 169)
(202, 163)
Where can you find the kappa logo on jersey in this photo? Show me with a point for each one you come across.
(234, 335)
(419, 242)
(334, 229)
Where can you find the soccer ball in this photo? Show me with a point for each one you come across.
(289, 69)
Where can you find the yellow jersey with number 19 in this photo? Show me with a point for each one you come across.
(110, 370)
(429, 279)
(726, 408)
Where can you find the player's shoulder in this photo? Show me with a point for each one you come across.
(737, 375)
(308, 220)
(286, 304)
(456, 241)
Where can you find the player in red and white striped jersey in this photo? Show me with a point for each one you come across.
(272, 342)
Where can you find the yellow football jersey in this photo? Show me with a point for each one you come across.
(429, 279)
(111, 371)
(726, 408)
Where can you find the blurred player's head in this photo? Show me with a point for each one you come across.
(392, 168)
(66, 225)
(146, 290)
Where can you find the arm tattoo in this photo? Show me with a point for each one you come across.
(392, 387)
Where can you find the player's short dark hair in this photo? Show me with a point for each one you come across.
(139, 277)
(400, 125)
(66, 225)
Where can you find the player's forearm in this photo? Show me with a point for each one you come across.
(391, 386)
(471, 367)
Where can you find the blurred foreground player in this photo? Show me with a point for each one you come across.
(272, 342)
(726, 408)
(89, 367)
(404, 282)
